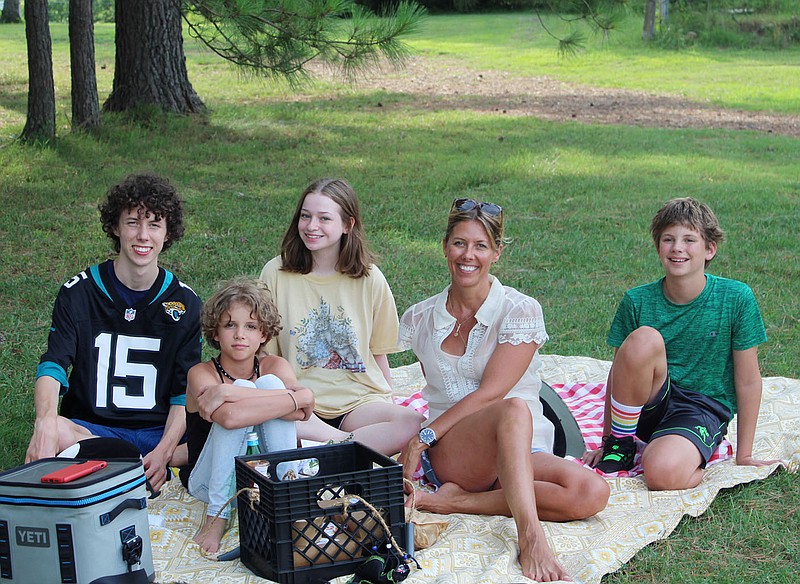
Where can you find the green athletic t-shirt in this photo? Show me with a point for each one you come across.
(700, 337)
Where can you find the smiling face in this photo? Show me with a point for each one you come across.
(321, 225)
(683, 251)
(239, 334)
(141, 239)
(470, 252)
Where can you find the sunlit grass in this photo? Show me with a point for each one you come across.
(578, 200)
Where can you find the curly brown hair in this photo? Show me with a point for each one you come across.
(248, 291)
(150, 194)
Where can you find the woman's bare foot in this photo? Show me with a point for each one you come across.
(210, 534)
(537, 560)
(445, 500)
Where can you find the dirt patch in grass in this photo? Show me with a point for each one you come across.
(435, 86)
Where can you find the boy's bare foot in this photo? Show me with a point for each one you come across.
(210, 535)
(537, 560)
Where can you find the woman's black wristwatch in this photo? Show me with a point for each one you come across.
(428, 437)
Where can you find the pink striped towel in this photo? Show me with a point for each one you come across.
(586, 401)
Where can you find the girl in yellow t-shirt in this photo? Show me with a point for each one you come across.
(339, 321)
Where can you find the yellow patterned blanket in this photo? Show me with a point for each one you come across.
(482, 549)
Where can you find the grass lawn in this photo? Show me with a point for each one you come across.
(578, 201)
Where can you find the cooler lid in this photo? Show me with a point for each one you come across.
(30, 475)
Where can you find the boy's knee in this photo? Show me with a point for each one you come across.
(643, 343)
(669, 475)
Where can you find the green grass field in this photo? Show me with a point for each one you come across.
(578, 201)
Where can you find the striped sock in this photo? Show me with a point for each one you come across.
(624, 419)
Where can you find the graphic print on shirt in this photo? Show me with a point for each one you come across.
(327, 341)
(174, 309)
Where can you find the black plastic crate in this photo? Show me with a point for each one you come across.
(295, 532)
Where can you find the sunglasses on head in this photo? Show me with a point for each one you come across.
(465, 205)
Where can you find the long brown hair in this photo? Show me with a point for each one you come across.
(355, 258)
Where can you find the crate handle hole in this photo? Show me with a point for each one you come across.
(331, 494)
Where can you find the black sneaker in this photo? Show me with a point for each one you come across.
(618, 454)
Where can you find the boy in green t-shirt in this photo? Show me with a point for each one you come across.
(685, 359)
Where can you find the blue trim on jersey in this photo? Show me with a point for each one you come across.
(168, 277)
(54, 370)
(178, 400)
(95, 272)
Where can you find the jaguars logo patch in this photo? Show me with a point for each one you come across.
(174, 309)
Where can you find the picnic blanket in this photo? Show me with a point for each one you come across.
(483, 549)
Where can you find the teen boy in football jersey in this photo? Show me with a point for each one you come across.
(130, 331)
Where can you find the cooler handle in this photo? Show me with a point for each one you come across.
(137, 504)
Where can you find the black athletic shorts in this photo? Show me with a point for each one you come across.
(698, 418)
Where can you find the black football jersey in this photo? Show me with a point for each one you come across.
(129, 363)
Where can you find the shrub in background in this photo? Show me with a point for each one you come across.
(731, 24)
(58, 10)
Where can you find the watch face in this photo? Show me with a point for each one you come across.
(427, 436)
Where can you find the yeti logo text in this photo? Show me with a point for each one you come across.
(33, 537)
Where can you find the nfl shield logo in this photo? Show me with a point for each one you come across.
(130, 314)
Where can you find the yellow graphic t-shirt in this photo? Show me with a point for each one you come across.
(332, 328)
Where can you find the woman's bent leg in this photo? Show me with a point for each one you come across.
(498, 441)
(565, 491)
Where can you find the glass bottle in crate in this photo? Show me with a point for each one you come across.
(252, 444)
(260, 466)
(252, 448)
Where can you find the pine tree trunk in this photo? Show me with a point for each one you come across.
(150, 67)
(649, 20)
(40, 125)
(85, 103)
(11, 12)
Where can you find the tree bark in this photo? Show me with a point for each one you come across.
(150, 66)
(40, 125)
(649, 20)
(11, 12)
(85, 103)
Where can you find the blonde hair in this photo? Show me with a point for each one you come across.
(493, 224)
(248, 291)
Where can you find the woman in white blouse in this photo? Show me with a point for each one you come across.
(487, 440)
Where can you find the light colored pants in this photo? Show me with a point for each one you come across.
(212, 476)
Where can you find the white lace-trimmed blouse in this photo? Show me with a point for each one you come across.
(506, 316)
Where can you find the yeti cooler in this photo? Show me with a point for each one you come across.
(89, 528)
